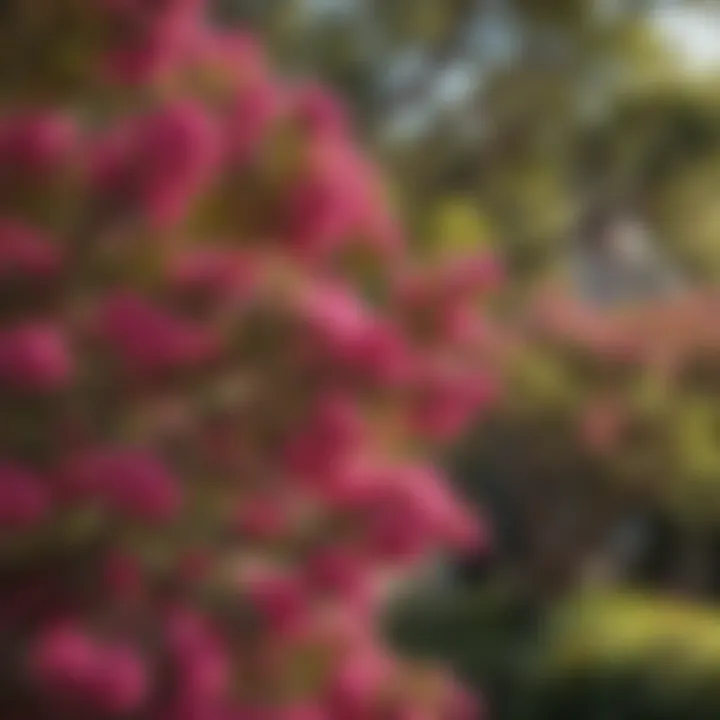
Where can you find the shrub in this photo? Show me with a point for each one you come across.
(220, 374)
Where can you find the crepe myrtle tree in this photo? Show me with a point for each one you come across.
(221, 377)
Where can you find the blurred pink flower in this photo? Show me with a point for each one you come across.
(447, 396)
(324, 208)
(157, 163)
(149, 340)
(26, 253)
(340, 573)
(356, 685)
(255, 108)
(36, 144)
(381, 354)
(131, 483)
(234, 51)
(122, 683)
(318, 452)
(199, 658)
(318, 111)
(34, 357)
(157, 36)
(221, 274)
(73, 668)
(473, 275)
(279, 599)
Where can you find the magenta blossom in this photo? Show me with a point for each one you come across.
(148, 340)
(34, 357)
(26, 253)
(155, 164)
(77, 671)
(128, 482)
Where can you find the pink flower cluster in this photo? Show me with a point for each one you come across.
(220, 371)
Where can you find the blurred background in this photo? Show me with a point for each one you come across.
(580, 140)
